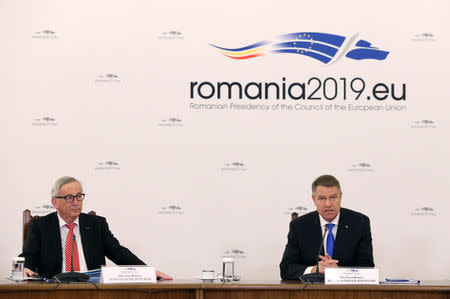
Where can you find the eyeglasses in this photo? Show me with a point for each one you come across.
(70, 198)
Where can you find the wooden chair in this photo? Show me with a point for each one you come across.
(26, 220)
(294, 215)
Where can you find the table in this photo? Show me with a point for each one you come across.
(195, 289)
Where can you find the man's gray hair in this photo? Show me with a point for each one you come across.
(61, 182)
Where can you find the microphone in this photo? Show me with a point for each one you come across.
(72, 276)
(316, 277)
(71, 254)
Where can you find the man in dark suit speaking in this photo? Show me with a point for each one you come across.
(347, 242)
(68, 236)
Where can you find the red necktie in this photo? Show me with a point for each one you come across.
(69, 243)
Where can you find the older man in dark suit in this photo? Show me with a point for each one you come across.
(347, 242)
(68, 238)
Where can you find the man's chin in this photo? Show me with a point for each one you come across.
(329, 216)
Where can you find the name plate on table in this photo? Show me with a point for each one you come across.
(352, 276)
(128, 274)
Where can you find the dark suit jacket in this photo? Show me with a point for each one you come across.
(352, 247)
(43, 251)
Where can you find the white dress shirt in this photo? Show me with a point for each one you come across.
(323, 222)
(64, 230)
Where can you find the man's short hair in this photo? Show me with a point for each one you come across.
(325, 180)
(61, 182)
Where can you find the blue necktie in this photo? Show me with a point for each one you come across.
(330, 240)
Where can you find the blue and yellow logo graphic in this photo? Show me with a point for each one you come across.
(324, 47)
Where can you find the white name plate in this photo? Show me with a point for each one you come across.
(128, 274)
(352, 276)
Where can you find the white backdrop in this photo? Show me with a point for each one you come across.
(100, 90)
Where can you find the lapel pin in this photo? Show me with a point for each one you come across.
(346, 226)
(88, 228)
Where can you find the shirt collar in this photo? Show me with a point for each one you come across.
(62, 223)
(323, 222)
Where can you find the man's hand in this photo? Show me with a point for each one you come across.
(162, 275)
(326, 262)
(28, 273)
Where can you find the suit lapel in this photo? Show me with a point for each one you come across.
(342, 234)
(84, 233)
(317, 233)
(57, 247)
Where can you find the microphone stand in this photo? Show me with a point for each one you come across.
(316, 277)
(72, 276)
(71, 254)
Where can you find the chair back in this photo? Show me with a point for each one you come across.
(294, 216)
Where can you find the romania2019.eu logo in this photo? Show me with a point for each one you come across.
(325, 47)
